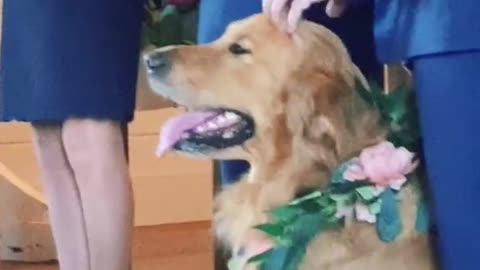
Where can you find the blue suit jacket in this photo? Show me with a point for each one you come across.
(403, 28)
(355, 28)
(410, 28)
(215, 15)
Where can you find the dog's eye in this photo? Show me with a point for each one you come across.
(237, 49)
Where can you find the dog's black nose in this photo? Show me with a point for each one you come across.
(157, 61)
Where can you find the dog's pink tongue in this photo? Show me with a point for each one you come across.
(174, 129)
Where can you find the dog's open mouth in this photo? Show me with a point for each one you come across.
(205, 131)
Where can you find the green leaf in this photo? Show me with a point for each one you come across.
(310, 196)
(398, 113)
(279, 232)
(343, 200)
(364, 93)
(290, 258)
(261, 257)
(342, 197)
(323, 201)
(377, 93)
(389, 224)
(277, 259)
(375, 207)
(329, 211)
(336, 222)
(347, 187)
(338, 173)
(287, 213)
(423, 222)
(367, 193)
(273, 230)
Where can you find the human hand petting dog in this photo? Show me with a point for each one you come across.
(288, 13)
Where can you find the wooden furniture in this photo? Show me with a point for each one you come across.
(164, 247)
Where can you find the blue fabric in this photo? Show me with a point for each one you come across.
(355, 29)
(409, 28)
(215, 15)
(232, 170)
(448, 98)
(63, 59)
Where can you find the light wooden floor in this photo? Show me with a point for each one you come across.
(170, 247)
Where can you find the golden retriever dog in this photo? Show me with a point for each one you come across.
(287, 105)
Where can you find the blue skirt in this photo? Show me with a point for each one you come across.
(69, 59)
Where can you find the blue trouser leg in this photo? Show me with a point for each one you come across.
(449, 105)
(232, 170)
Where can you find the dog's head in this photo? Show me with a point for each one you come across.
(262, 95)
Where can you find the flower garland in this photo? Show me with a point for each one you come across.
(363, 188)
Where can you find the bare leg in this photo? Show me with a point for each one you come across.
(65, 209)
(97, 155)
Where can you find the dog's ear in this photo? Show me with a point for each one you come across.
(328, 119)
(314, 115)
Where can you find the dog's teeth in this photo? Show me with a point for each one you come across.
(220, 120)
(212, 125)
(201, 129)
(227, 135)
(231, 116)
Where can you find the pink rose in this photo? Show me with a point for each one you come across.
(384, 165)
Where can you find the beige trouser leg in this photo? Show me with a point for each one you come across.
(96, 160)
(97, 155)
(63, 196)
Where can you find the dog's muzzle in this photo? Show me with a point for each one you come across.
(158, 63)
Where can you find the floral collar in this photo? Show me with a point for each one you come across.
(382, 171)
(364, 189)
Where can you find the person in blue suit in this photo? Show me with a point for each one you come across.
(70, 68)
(355, 29)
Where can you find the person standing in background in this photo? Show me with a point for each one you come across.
(441, 41)
(355, 29)
(70, 68)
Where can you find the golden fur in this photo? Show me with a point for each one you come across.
(308, 119)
